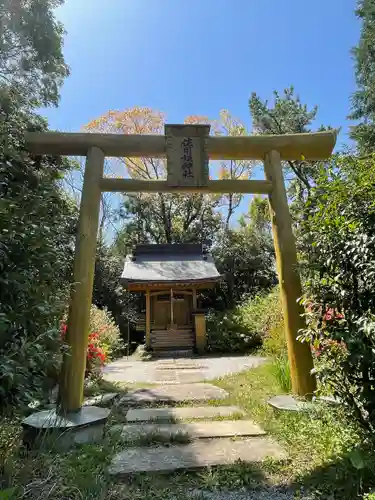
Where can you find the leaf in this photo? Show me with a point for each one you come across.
(8, 493)
(356, 459)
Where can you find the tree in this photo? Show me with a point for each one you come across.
(31, 58)
(162, 217)
(287, 115)
(227, 126)
(190, 219)
(363, 100)
(258, 216)
(108, 292)
(73, 182)
(37, 229)
(246, 257)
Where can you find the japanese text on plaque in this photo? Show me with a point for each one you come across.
(187, 158)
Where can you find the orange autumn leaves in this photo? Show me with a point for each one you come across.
(143, 120)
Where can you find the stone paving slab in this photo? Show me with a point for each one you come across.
(194, 430)
(209, 368)
(181, 413)
(174, 393)
(191, 366)
(101, 399)
(194, 455)
(287, 402)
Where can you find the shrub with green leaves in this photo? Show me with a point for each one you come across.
(338, 244)
(37, 226)
(263, 315)
(225, 333)
(257, 320)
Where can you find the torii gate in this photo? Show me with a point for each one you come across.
(188, 149)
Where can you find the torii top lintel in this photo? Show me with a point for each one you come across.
(309, 146)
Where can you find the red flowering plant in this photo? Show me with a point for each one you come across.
(330, 321)
(96, 356)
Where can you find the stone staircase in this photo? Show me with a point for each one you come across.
(172, 339)
(199, 435)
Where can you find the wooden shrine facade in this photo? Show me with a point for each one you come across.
(171, 277)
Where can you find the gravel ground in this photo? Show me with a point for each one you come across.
(176, 371)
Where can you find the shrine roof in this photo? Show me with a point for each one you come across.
(170, 263)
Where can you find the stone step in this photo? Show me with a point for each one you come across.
(171, 353)
(202, 453)
(174, 394)
(166, 344)
(181, 413)
(193, 430)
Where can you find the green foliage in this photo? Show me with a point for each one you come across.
(108, 292)
(261, 313)
(281, 371)
(263, 316)
(257, 320)
(226, 333)
(286, 115)
(258, 216)
(338, 245)
(246, 258)
(167, 218)
(37, 223)
(31, 58)
(274, 343)
(319, 442)
(363, 98)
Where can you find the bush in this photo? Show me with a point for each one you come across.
(102, 323)
(338, 243)
(246, 257)
(263, 313)
(257, 320)
(274, 343)
(104, 341)
(37, 226)
(225, 333)
(108, 292)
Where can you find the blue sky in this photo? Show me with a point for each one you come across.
(187, 57)
(199, 56)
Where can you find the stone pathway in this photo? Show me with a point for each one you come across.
(209, 442)
(193, 455)
(192, 430)
(177, 371)
(182, 413)
(174, 394)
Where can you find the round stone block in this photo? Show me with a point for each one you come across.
(64, 431)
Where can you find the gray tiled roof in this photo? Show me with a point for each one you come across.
(169, 263)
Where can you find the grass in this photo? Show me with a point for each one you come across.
(281, 371)
(157, 438)
(320, 443)
(323, 450)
